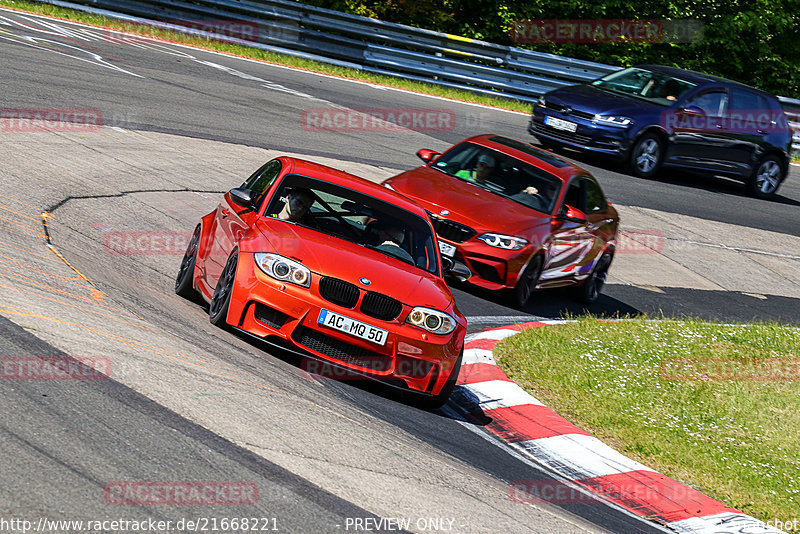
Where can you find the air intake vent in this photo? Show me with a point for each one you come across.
(341, 350)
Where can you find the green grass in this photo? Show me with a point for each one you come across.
(735, 440)
(269, 57)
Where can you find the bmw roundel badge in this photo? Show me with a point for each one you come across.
(444, 213)
(365, 281)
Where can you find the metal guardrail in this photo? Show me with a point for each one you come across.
(367, 44)
(371, 45)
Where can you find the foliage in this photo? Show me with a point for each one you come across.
(752, 41)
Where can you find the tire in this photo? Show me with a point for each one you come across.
(434, 402)
(526, 283)
(184, 282)
(589, 290)
(646, 156)
(220, 302)
(766, 178)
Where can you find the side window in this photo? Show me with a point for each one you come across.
(595, 200)
(574, 195)
(712, 103)
(260, 181)
(747, 101)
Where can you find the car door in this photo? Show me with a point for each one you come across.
(572, 241)
(697, 130)
(231, 220)
(749, 120)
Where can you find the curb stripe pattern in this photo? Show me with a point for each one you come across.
(527, 425)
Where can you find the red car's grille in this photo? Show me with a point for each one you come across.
(381, 306)
(341, 350)
(339, 292)
(452, 231)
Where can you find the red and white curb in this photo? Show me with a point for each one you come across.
(539, 433)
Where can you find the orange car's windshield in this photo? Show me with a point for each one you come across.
(356, 217)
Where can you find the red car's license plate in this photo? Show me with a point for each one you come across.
(353, 327)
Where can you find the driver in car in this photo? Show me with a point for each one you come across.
(297, 205)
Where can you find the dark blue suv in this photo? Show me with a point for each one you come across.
(652, 116)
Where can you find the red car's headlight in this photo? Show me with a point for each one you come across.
(507, 242)
(433, 321)
(283, 269)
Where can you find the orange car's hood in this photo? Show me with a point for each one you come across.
(338, 258)
(468, 204)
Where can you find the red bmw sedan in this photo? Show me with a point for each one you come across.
(519, 217)
(334, 267)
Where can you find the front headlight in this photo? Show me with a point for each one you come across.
(433, 321)
(507, 242)
(283, 269)
(612, 120)
(542, 102)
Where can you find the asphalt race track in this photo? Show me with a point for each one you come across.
(184, 401)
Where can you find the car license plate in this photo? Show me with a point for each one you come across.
(447, 249)
(350, 326)
(560, 124)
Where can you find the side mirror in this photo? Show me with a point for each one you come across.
(693, 110)
(426, 154)
(242, 197)
(570, 214)
(456, 269)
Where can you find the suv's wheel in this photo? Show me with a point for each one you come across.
(527, 282)
(184, 282)
(220, 302)
(766, 178)
(646, 156)
(589, 290)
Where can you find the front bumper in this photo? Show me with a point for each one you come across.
(266, 308)
(492, 268)
(590, 137)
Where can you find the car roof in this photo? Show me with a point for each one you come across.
(560, 167)
(697, 77)
(351, 181)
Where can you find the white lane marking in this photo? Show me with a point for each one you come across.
(266, 83)
(96, 59)
(493, 394)
(293, 69)
(736, 249)
(724, 523)
(579, 456)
